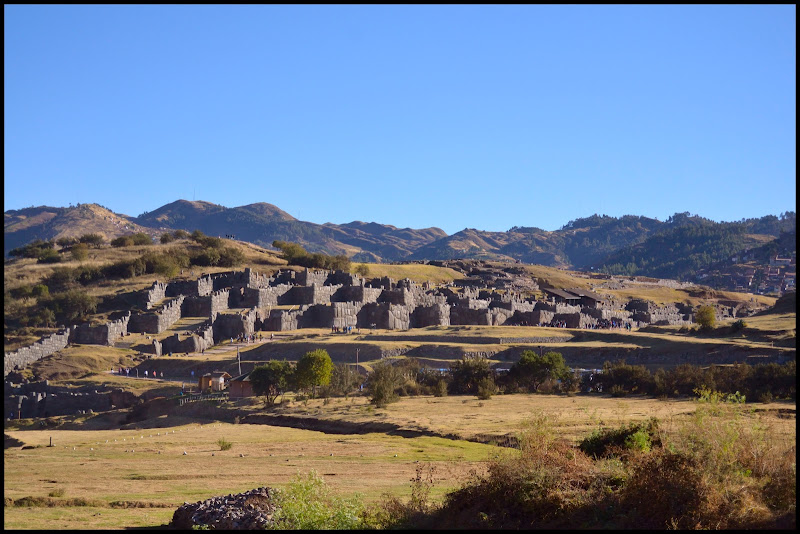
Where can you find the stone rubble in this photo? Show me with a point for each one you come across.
(251, 510)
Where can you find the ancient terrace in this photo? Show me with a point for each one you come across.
(240, 303)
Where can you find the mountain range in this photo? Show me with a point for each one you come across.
(674, 248)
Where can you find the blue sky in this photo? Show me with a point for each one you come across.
(457, 117)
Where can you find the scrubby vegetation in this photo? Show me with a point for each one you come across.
(297, 255)
(716, 471)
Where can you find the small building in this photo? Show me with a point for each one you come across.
(240, 387)
(214, 381)
(588, 298)
(562, 297)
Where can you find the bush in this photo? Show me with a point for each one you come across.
(31, 250)
(230, 257)
(382, 384)
(93, 240)
(49, 255)
(66, 242)
(80, 252)
(706, 317)
(39, 291)
(167, 238)
(141, 238)
(486, 388)
(122, 241)
(440, 390)
(309, 504)
(467, 373)
(72, 306)
(224, 445)
(633, 436)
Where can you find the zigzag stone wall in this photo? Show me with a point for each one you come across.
(25, 356)
(159, 320)
(154, 295)
(105, 334)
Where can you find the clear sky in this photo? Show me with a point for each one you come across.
(471, 116)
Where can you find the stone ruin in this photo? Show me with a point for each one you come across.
(41, 399)
(240, 303)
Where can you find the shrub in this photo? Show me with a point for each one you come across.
(230, 257)
(140, 238)
(122, 241)
(309, 504)
(48, 255)
(31, 250)
(167, 238)
(224, 445)
(80, 252)
(382, 384)
(440, 390)
(738, 325)
(362, 270)
(633, 436)
(93, 240)
(666, 490)
(467, 373)
(486, 388)
(58, 492)
(65, 242)
(706, 317)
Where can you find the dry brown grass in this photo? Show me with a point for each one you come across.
(416, 272)
(158, 474)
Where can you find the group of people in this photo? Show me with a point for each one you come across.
(610, 323)
(127, 372)
(341, 329)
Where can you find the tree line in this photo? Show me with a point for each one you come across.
(533, 373)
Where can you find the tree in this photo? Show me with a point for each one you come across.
(345, 378)
(533, 370)
(383, 382)
(314, 369)
(93, 240)
(141, 238)
(271, 379)
(468, 373)
(706, 317)
(362, 270)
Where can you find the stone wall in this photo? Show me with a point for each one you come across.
(191, 288)
(155, 295)
(105, 334)
(462, 315)
(263, 297)
(311, 277)
(159, 320)
(281, 320)
(232, 325)
(46, 346)
(346, 313)
(433, 315)
(384, 315)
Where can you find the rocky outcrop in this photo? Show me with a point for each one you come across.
(251, 510)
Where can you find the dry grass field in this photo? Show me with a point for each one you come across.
(142, 477)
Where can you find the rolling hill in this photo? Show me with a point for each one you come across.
(678, 248)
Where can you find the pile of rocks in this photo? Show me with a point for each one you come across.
(251, 510)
